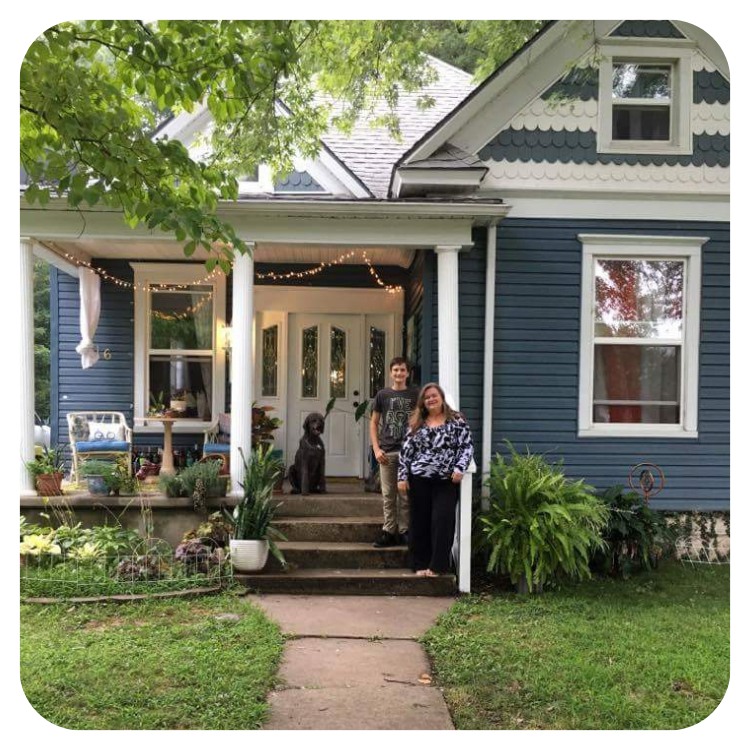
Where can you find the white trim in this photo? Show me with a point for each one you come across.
(328, 300)
(654, 247)
(680, 106)
(598, 204)
(489, 354)
(437, 177)
(45, 254)
(180, 273)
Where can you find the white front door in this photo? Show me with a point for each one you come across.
(326, 356)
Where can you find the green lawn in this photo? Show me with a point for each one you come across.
(649, 653)
(149, 665)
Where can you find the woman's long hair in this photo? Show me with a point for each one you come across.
(418, 416)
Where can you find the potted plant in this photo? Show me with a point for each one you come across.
(95, 471)
(253, 534)
(157, 404)
(48, 470)
(540, 525)
(107, 477)
(262, 435)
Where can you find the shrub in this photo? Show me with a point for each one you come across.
(636, 536)
(540, 525)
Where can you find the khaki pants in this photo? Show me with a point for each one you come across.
(395, 507)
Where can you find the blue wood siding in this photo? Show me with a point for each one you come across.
(538, 287)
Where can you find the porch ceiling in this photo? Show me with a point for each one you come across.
(265, 252)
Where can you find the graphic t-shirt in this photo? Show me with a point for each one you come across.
(394, 408)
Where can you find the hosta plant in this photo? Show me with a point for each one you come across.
(540, 525)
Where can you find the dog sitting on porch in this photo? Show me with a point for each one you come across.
(308, 472)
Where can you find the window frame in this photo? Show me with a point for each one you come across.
(144, 275)
(642, 247)
(679, 58)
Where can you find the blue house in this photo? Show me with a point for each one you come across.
(552, 246)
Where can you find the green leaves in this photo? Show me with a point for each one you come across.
(540, 525)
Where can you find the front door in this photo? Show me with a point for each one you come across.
(326, 360)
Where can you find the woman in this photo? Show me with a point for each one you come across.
(436, 452)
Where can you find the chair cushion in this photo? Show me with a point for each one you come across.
(79, 426)
(215, 448)
(102, 445)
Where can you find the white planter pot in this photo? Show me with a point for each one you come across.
(248, 555)
(178, 405)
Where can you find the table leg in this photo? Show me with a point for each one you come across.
(167, 462)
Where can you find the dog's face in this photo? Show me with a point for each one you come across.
(314, 424)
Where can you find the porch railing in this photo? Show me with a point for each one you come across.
(462, 539)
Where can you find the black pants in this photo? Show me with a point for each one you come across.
(432, 504)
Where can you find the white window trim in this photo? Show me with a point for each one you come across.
(175, 273)
(680, 58)
(264, 183)
(597, 246)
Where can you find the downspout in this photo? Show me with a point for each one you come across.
(489, 357)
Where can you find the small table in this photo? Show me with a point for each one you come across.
(167, 460)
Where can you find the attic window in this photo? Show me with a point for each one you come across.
(645, 97)
(641, 102)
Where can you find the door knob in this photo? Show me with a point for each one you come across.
(355, 403)
(355, 393)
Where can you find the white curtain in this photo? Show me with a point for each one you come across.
(89, 289)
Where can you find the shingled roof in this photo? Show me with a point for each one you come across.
(370, 152)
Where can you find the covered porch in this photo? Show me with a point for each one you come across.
(328, 294)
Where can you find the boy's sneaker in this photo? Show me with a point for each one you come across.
(403, 538)
(386, 539)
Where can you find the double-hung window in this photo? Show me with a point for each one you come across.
(179, 321)
(640, 308)
(645, 98)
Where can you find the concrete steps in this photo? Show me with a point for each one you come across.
(362, 529)
(329, 550)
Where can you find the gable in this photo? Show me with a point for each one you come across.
(542, 125)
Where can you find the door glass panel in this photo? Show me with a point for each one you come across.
(310, 362)
(270, 361)
(377, 360)
(338, 363)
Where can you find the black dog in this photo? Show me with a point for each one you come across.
(308, 472)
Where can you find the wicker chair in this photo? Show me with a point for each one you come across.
(215, 438)
(98, 434)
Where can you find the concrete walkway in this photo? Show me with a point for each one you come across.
(352, 662)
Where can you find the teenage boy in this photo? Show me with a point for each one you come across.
(388, 425)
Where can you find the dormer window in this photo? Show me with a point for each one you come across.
(645, 96)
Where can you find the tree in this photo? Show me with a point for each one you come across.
(92, 93)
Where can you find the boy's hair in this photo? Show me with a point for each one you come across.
(400, 361)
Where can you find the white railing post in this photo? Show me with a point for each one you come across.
(463, 531)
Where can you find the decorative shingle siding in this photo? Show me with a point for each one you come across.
(297, 182)
(710, 86)
(579, 147)
(537, 360)
(648, 29)
(580, 83)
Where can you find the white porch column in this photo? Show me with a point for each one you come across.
(26, 333)
(489, 358)
(448, 354)
(242, 365)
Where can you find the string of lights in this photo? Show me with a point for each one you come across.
(188, 312)
(270, 275)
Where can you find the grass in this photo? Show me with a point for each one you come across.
(648, 653)
(149, 665)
